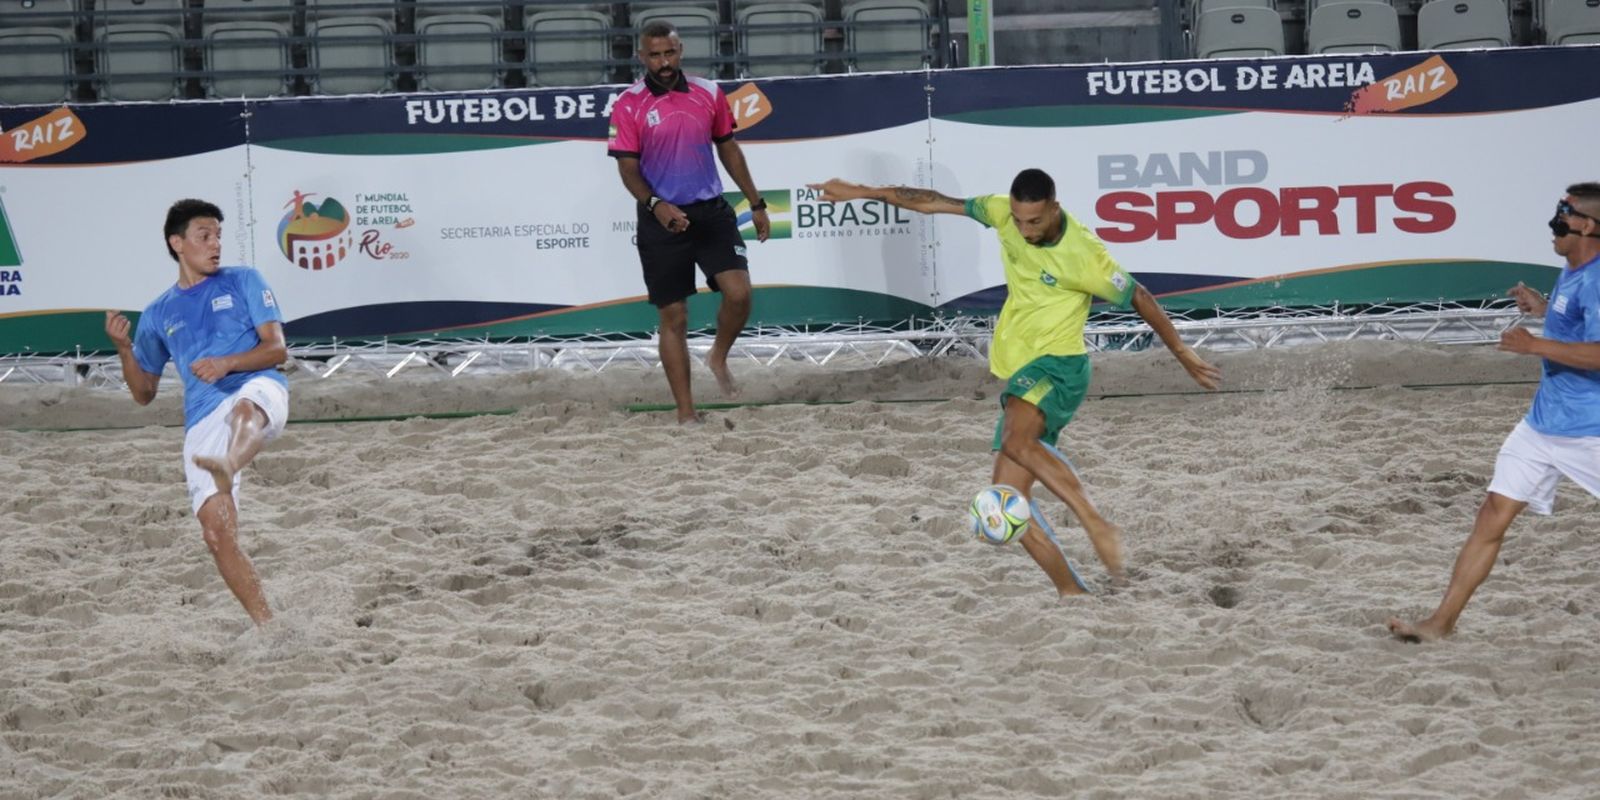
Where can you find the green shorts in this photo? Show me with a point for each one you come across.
(1056, 385)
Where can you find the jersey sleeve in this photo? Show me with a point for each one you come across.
(988, 210)
(149, 349)
(622, 138)
(722, 124)
(1591, 310)
(1099, 274)
(258, 297)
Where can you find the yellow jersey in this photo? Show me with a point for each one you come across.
(1050, 287)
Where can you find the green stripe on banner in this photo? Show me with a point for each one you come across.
(65, 331)
(49, 333)
(1430, 281)
(770, 305)
(10, 256)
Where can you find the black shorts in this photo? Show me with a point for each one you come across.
(712, 241)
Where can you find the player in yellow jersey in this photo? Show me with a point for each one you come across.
(1055, 268)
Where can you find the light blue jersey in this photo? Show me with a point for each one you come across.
(215, 317)
(1568, 400)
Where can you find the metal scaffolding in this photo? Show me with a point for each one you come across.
(959, 336)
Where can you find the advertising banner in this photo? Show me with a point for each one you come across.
(1296, 181)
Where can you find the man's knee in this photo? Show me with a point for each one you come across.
(248, 410)
(674, 317)
(1500, 511)
(218, 537)
(735, 287)
(1017, 445)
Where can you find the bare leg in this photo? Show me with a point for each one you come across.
(731, 317)
(248, 426)
(674, 350)
(219, 524)
(1019, 442)
(1044, 552)
(1472, 567)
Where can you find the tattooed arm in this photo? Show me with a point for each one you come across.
(925, 201)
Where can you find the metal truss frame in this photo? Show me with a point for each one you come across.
(861, 344)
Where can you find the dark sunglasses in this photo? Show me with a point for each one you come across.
(1558, 223)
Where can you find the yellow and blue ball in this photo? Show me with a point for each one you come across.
(999, 514)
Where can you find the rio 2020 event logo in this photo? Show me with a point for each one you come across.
(315, 236)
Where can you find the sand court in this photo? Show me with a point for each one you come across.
(576, 601)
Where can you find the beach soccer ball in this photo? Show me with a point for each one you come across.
(999, 514)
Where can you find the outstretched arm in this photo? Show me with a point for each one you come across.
(1153, 315)
(922, 201)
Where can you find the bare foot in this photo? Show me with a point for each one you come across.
(221, 471)
(1079, 587)
(1417, 632)
(1075, 589)
(693, 418)
(1107, 541)
(719, 368)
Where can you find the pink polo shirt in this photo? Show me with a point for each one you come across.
(671, 132)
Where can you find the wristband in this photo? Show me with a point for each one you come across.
(759, 205)
(650, 205)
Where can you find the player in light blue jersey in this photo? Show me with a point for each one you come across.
(222, 329)
(1561, 433)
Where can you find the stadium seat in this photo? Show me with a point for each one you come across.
(900, 34)
(138, 37)
(1572, 21)
(1202, 6)
(559, 41)
(36, 48)
(793, 50)
(471, 53)
(1360, 26)
(1238, 33)
(697, 29)
(346, 38)
(251, 37)
(1459, 24)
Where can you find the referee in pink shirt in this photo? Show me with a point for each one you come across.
(662, 132)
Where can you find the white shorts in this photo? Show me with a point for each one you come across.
(210, 436)
(1531, 464)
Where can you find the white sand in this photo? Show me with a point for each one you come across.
(573, 601)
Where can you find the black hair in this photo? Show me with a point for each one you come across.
(181, 214)
(1587, 194)
(656, 29)
(1033, 185)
